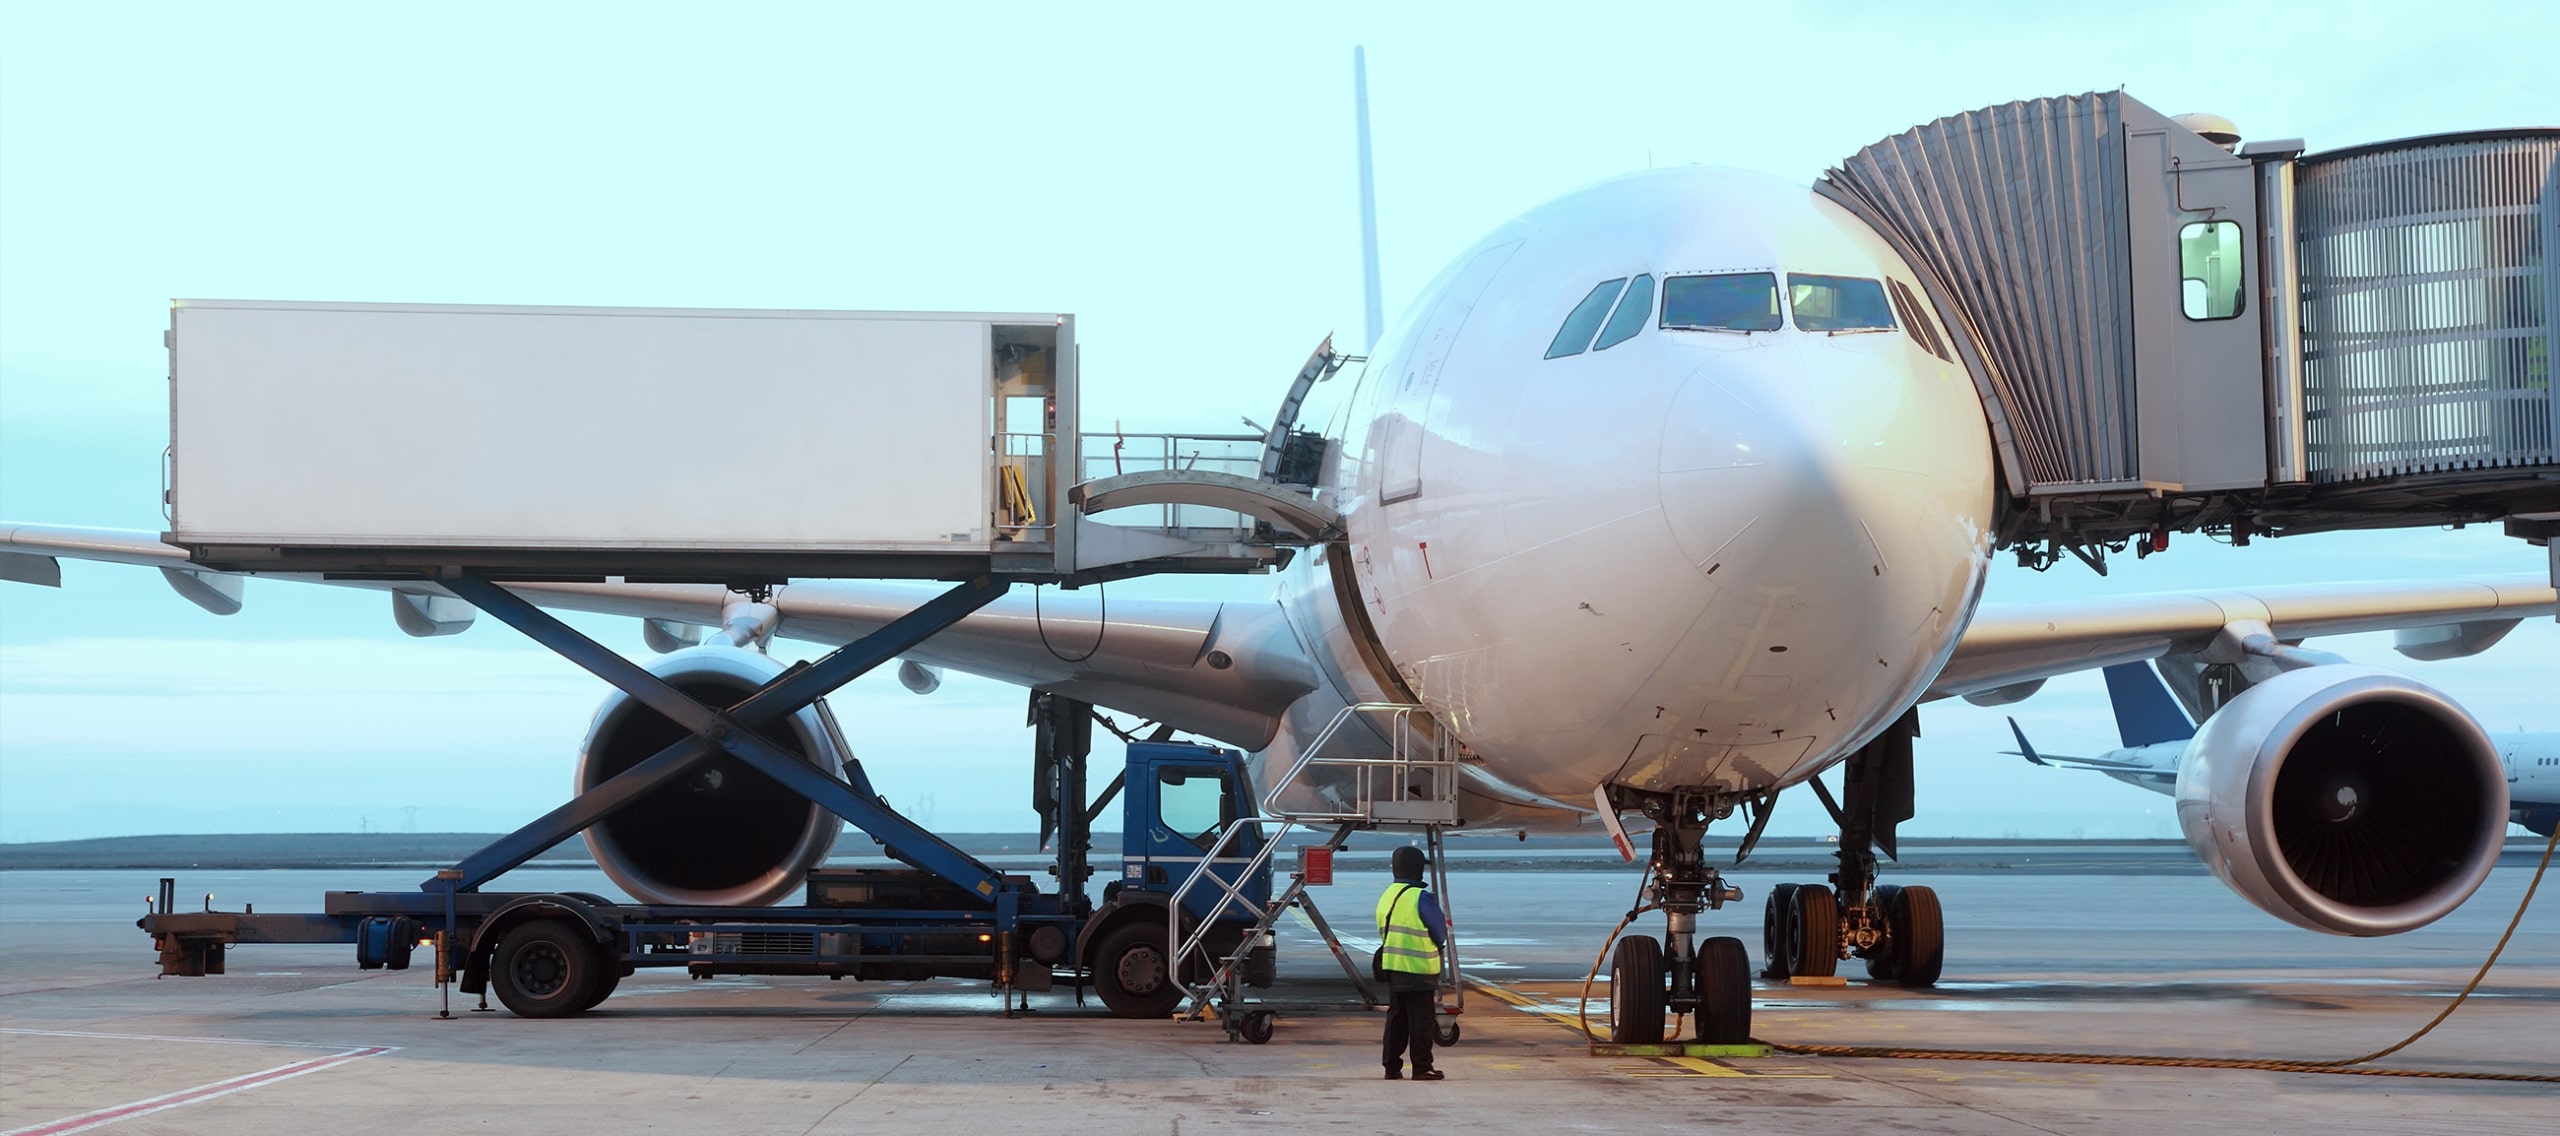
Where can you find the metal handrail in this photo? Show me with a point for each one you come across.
(1401, 739)
(1399, 757)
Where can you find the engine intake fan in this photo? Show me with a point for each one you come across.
(724, 834)
(2347, 799)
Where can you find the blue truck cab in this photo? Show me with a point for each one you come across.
(1180, 803)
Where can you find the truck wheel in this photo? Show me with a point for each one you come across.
(546, 968)
(607, 980)
(1132, 973)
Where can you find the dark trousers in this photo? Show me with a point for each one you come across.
(1409, 1026)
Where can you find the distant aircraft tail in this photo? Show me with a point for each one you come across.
(2025, 748)
(2145, 714)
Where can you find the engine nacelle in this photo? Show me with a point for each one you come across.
(2347, 799)
(723, 834)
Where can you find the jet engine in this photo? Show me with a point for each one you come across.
(723, 834)
(2346, 799)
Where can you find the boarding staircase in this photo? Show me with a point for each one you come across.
(1412, 786)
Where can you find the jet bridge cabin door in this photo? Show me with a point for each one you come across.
(1194, 804)
(1410, 380)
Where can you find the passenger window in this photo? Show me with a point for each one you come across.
(1838, 303)
(1632, 313)
(1575, 335)
(1193, 804)
(2209, 270)
(1734, 301)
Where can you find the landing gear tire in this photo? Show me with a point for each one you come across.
(546, 968)
(1773, 931)
(1255, 1028)
(1133, 974)
(1446, 1033)
(1881, 964)
(1813, 933)
(1638, 990)
(1724, 991)
(1920, 937)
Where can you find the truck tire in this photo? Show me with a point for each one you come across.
(1133, 974)
(546, 968)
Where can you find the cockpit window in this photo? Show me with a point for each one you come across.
(1915, 318)
(1838, 303)
(1633, 311)
(1733, 301)
(1575, 336)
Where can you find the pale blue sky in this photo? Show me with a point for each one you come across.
(1179, 179)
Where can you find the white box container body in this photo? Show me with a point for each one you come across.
(419, 427)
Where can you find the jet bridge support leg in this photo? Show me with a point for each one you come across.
(726, 731)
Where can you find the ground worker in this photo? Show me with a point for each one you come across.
(1411, 933)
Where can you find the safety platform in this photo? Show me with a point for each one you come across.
(2174, 332)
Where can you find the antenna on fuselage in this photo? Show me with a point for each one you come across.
(1376, 306)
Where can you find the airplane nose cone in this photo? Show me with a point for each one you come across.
(1752, 470)
(1829, 503)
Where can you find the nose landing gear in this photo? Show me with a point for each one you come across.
(1651, 978)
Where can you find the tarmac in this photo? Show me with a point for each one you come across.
(297, 1040)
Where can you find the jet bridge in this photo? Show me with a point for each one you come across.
(2171, 332)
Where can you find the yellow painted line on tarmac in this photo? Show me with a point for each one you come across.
(1652, 1067)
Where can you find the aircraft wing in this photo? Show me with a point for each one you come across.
(2012, 644)
(1224, 670)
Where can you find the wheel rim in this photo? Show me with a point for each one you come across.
(541, 969)
(1141, 970)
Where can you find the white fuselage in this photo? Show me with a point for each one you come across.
(1692, 560)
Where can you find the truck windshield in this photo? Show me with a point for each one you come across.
(1734, 301)
(1192, 803)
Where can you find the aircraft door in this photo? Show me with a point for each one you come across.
(1408, 399)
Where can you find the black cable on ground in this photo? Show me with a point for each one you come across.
(2352, 1066)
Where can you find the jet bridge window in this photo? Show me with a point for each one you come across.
(2209, 270)
(1575, 336)
(1732, 301)
(1838, 303)
(1633, 310)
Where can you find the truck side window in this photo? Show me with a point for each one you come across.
(1192, 803)
(2209, 270)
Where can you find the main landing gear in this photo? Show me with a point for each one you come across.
(1807, 929)
(1651, 979)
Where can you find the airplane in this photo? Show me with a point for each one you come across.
(2156, 733)
(1663, 497)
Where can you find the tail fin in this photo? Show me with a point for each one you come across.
(1371, 295)
(2145, 714)
(2026, 749)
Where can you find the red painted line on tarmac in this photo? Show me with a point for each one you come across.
(197, 1095)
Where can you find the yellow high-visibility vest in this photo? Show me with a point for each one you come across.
(1404, 943)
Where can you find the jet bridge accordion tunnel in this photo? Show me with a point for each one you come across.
(2172, 332)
